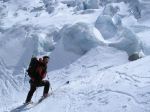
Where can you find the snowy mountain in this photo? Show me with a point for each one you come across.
(90, 43)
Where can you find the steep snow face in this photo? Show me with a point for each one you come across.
(75, 41)
(16, 42)
(12, 47)
(60, 58)
(23, 34)
(79, 38)
(98, 84)
(17, 45)
(85, 67)
(29, 27)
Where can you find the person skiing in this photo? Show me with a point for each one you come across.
(37, 79)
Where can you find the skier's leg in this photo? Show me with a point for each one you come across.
(30, 93)
(46, 87)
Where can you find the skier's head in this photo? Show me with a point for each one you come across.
(45, 59)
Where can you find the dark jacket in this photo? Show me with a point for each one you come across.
(40, 72)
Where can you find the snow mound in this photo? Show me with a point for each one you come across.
(75, 41)
(80, 37)
(106, 26)
(92, 4)
(127, 41)
(60, 58)
(117, 35)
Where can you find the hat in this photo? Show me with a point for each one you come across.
(45, 57)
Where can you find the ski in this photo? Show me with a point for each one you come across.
(22, 107)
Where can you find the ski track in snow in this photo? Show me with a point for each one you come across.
(127, 94)
(92, 95)
(82, 93)
(99, 80)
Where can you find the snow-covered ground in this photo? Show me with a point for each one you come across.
(89, 42)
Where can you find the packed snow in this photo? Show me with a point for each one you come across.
(90, 43)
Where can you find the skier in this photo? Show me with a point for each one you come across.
(37, 79)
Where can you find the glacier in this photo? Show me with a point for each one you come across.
(89, 43)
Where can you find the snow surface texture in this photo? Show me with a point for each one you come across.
(88, 42)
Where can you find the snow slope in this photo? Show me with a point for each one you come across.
(101, 77)
(101, 83)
